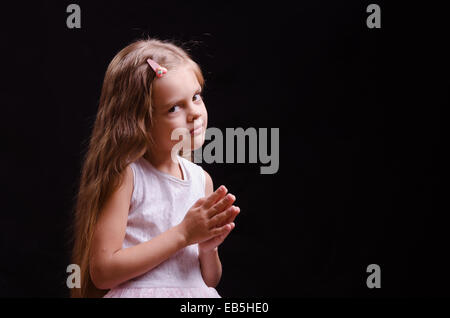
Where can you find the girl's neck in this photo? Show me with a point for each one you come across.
(165, 164)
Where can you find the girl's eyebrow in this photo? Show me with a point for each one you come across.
(197, 91)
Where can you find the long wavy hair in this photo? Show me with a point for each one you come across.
(120, 136)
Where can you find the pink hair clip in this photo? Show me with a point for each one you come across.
(159, 70)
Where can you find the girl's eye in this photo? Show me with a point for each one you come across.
(198, 96)
(172, 110)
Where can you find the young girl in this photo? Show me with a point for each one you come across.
(148, 223)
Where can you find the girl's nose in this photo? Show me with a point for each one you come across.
(194, 112)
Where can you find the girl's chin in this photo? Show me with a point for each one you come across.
(197, 144)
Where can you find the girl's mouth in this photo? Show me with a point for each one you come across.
(197, 131)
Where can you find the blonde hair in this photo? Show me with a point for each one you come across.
(119, 137)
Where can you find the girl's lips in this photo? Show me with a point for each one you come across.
(197, 131)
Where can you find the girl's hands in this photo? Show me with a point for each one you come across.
(213, 243)
(209, 218)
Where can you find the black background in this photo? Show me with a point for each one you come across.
(360, 113)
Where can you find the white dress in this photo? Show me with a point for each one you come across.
(159, 202)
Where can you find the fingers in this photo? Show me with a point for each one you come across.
(225, 217)
(215, 196)
(221, 205)
(232, 217)
(223, 229)
(220, 238)
(199, 202)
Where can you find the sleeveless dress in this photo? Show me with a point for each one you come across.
(159, 202)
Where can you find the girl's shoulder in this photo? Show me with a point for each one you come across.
(140, 167)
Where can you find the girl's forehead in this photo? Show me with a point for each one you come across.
(177, 84)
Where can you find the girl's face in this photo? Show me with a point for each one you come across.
(177, 103)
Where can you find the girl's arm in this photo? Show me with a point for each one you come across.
(210, 264)
(110, 265)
